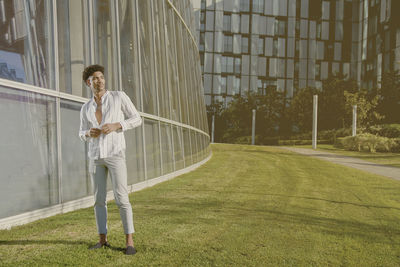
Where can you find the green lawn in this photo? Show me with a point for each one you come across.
(247, 206)
(390, 159)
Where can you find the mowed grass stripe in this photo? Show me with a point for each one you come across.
(247, 206)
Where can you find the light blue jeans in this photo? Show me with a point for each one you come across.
(116, 167)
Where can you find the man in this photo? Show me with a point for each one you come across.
(102, 125)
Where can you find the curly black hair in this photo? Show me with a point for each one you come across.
(89, 70)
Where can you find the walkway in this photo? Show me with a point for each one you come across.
(388, 171)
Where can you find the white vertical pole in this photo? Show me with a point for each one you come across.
(253, 130)
(314, 129)
(354, 132)
(212, 128)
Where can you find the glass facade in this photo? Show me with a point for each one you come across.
(296, 43)
(149, 50)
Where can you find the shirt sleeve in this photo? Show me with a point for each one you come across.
(84, 126)
(132, 116)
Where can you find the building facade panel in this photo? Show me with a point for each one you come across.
(323, 37)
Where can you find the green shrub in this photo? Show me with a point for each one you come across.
(386, 130)
(367, 142)
(243, 140)
(269, 141)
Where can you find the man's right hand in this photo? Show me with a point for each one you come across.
(94, 132)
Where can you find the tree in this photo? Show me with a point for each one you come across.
(367, 103)
(389, 92)
(332, 103)
(301, 108)
(216, 109)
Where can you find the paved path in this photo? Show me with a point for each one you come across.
(388, 171)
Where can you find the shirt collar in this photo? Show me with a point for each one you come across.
(102, 98)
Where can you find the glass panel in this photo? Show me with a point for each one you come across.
(339, 31)
(129, 54)
(146, 58)
(292, 8)
(303, 28)
(167, 151)
(161, 59)
(103, 43)
(26, 48)
(290, 47)
(178, 149)
(281, 47)
(194, 146)
(304, 8)
(29, 173)
(134, 155)
(325, 30)
(244, 26)
(153, 163)
(187, 147)
(325, 10)
(181, 70)
(71, 47)
(172, 69)
(303, 69)
(76, 180)
(338, 51)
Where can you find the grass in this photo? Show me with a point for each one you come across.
(389, 159)
(247, 206)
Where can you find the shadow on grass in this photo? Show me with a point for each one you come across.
(43, 242)
(297, 197)
(235, 213)
(53, 242)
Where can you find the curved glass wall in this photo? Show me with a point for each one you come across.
(148, 50)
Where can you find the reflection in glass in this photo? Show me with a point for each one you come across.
(26, 48)
(178, 147)
(103, 41)
(135, 155)
(71, 47)
(167, 150)
(128, 52)
(187, 147)
(76, 180)
(146, 58)
(29, 175)
(152, 146)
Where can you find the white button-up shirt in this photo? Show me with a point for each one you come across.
(116, 106)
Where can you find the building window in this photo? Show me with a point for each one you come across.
(245, 45)
(223, 85)
(223, 64)
(261, 46)
(203, 4)
(238, 65)
(236, 86)
(228, 43)
(244, 5)
(275, 49)
(227, 23)
(201, 46)
(280, 28)
(229, 66)
(258, 6)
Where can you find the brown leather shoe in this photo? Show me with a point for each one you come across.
(130, 250)
(100, 245)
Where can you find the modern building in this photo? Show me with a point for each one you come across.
(253, 44)
(148, 50)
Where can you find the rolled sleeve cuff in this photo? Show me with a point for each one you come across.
(83, 136)
(123, 125)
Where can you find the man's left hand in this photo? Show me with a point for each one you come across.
(110, 127)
